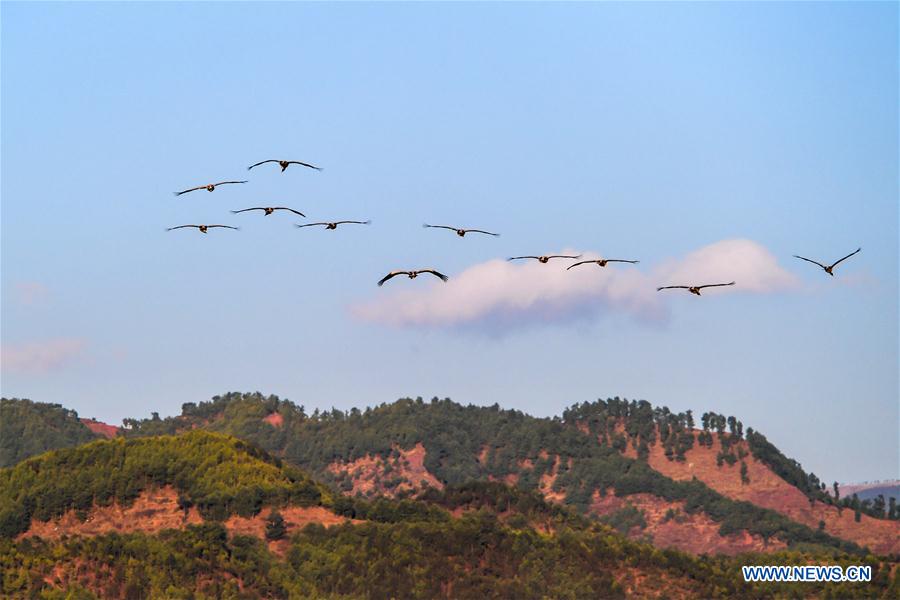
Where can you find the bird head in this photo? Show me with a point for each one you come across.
(202, 229)
(269, 210)
(544, 259)
(210, 187)
(413, 274)
(461, 232)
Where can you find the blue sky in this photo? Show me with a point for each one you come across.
(644, 131)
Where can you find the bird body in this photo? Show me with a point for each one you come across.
(334, 224)
(202, 228)
(284, 164)
(412, 275)
(828, 268)
(209, 187)
(546, 258)
(694, 289)
(602, 262)
(269, 210)
(459, 231)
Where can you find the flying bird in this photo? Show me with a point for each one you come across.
(208, 187)
(334, 224)
(412, 275)
(202, 228)
(461, 232)
(694, 289)
(269, 210)
(602, 262)
(545, 259)
(284, 164)
(831, 266)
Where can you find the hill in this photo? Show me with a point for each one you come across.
(28, 428)
(203, 514)
(402, 448)
(699, 490)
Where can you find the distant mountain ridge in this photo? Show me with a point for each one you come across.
(594, 452)
(204, 514)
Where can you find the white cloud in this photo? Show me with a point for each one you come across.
(40, 357)
(503, 295)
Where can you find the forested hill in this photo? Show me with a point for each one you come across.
(247, 525)
(464, 443)
(653, 473)
(28, 428)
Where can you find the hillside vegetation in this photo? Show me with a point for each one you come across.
(220, 475)
(29, 428)
(454, 436)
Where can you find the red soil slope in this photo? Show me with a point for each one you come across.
(109, 431)
(695, 533)
(156, 510)
(369, 474)
(768, 490)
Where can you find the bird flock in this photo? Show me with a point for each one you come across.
(412, 274)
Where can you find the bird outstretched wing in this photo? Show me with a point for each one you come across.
(481, 231)
(296, 212)
(193, 189)
(390, 275)
(581, 262)
(297, 162)
(673, 287)
(810, 260)
(435, 273)
(262, 162)
(700, 287)
(846, 257)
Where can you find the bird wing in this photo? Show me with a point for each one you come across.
(810, 260)
(193, 189)
(433, 272)
(392, 274)
(582, 262)
(246, 209)
(481, 231)
(225, 226)
(353, 222)
(226, 182)
(700, 287)
(846, 257)
(262, 162)
(519, 257)
(562, 256)
(182, 226)
(297, 162)
(672, 287)
(634, 262)
(440, 227)
(310, 224)
(296, 212)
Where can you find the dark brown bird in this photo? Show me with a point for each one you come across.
(831, 266)
(202, 228)
(208, 187)
(694, 289)
(603, 261)
(412, 275)
(269, 210)
(284, 164)
(334, 224)
(461, 232)
(545, 259)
